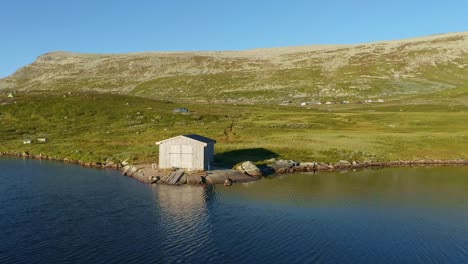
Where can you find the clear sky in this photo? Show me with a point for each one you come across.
(31, 28)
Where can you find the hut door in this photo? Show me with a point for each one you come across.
(181, 156)
(187, 156)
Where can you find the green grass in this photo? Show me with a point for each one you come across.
(96, 127)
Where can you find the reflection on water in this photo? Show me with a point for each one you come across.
(183, 221)
(399, 186)
(54, 213)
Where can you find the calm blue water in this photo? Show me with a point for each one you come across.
(56, 213)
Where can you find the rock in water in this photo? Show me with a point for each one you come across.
(283, 166)
(323, 166)
(251, 169)
(305, 166)
(343, 164)
(228, 182)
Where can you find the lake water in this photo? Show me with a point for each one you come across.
(56, 213)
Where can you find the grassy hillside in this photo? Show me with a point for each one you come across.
(95, 127)
(95, 107)
(269, 76)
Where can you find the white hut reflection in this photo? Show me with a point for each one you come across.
(184, 213)
(180, 201)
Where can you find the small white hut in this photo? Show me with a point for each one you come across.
(189, 152)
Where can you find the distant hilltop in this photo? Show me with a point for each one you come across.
(341, 72)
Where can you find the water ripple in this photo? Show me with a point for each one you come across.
(385, 216)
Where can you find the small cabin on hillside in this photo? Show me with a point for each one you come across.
(189, 152)
(181, 110)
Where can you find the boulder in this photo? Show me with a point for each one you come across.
(109, 164)
(323, 166)
(282, 166)
(219, 176)
(131, 171)
(343, 164)
(227, 182)
(251, 169)
(266, 170)
(282, 170)
(183, 179)
(155, 179)
(306, 166)
(125, 169)
(194, 179)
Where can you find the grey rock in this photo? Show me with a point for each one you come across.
(281, 166)
(251, 169)
(227, 182)
(306, 166)
(323, 166)
(343, 164)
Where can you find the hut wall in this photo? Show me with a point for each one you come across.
(180, 148)
(209, 155)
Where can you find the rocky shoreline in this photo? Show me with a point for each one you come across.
(243, 172)
(104, 165)
(290, 166)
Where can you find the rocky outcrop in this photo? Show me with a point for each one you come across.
(290, 166)
(195, 179)
(249, 168)
(343, 164)
(220, 176)
(138, 173)
(283, 166)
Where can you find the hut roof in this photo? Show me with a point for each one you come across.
(200, 138)
(192, 137)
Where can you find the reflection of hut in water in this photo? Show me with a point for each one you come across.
(183, 199)
(182, 206)
(184, 214)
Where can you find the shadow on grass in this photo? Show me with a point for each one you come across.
(233, 157)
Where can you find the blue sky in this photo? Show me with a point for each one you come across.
(31, 28)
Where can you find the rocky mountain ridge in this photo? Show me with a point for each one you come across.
(380, 69)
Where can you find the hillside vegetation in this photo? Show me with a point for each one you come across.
(99, 107)
(296, 74)
(98, 127)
